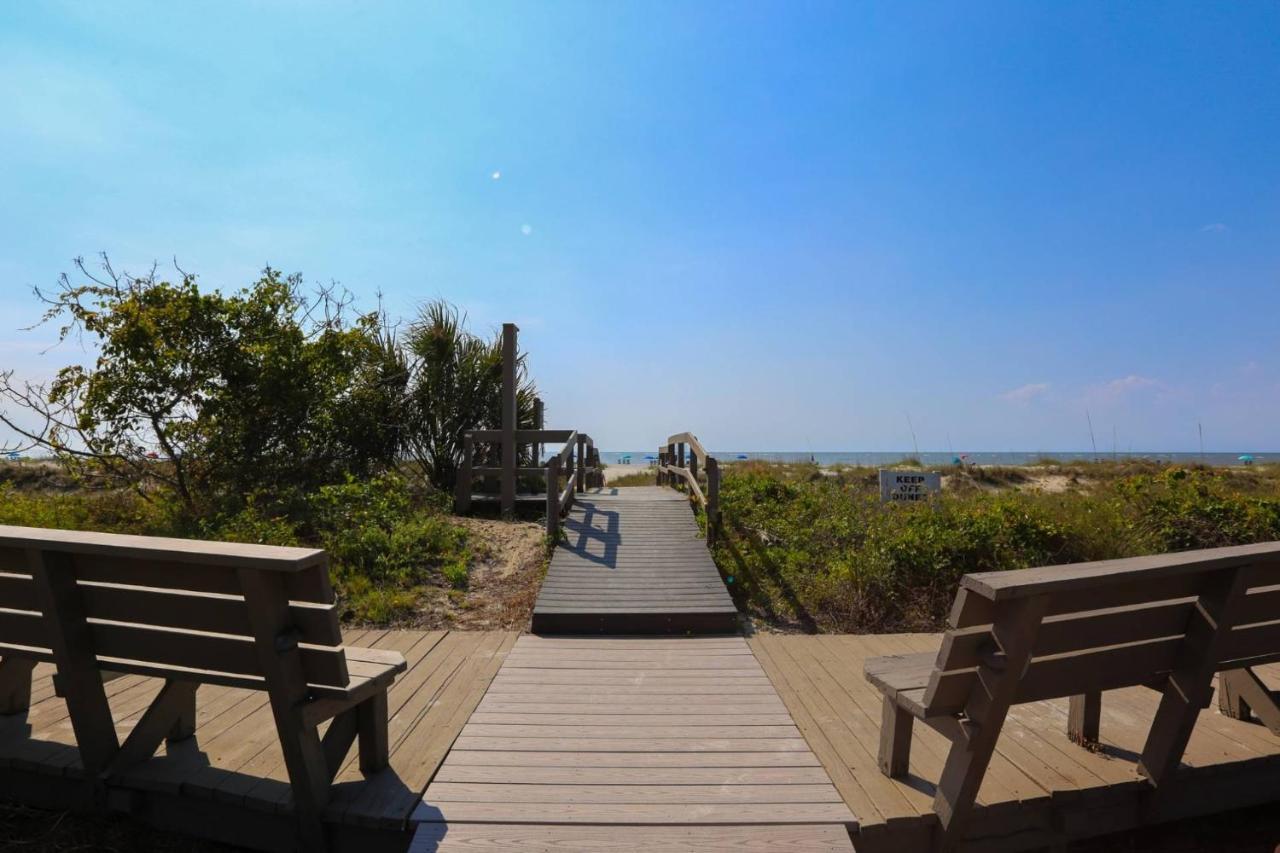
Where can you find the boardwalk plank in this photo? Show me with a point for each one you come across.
(633, 561)
(568, 838)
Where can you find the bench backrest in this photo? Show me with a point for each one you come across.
(1113, 623)
(150, 605)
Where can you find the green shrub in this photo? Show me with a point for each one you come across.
(1181, 509)
(390, 548)
(114, 511)
(826, 553)
(387, 548)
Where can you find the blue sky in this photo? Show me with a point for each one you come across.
(784, 226)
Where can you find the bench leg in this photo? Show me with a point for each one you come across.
(184, 718)
(173, 710)
(895, 739)
(281, 661)
(374, 747)
(974, 744)
(1241, 694)
(1190, 685)
(15, 684)
(1084, 717)
(337, 740)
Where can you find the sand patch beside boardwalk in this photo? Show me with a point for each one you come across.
(615, 470)
(511, 557)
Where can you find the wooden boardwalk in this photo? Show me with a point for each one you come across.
(1041, 789)
(229, 782)
(584, 744)
(633, 563)
(543, 739)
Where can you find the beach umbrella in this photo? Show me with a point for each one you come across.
(1246, 459)
(651, 456)
(742, 456)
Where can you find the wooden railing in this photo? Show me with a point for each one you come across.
(679, 471)
(578, 462)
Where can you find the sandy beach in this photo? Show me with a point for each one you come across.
(616, 470)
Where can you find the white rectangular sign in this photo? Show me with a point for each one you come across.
(908, 486)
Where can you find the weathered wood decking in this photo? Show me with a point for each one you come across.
(1041, 789)
(633, 563)
(584, 744)
(229, 782)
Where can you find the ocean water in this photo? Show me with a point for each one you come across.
(943, 458)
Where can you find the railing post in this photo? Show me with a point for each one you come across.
(713, 500)
(693, 464)
(553, 498)
(508, 454)
(580, 480)
(671, 461)
(463, 482)
(570, 468)
(538, 425)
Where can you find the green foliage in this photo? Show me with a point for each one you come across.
(216, 397)
(1181, 509)
(110, 512)
(455, 385)
(826, 553)
(267, 416)
(387, 547)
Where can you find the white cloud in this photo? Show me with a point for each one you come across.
(496, 176)
(526, 229)
(1214, 228)
(1024, 393)
(1131, 384)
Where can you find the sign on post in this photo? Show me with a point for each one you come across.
(908, 486)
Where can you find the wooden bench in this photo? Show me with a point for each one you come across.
(1169, 622)
(191, 613)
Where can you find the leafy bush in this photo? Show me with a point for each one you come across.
(214, 397)
(825, 553)
(1179, 509)
(111, 512)
(387, 547)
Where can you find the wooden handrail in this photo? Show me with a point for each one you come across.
(695, 446)
(674, 470)
(578, 458)
(524, 436)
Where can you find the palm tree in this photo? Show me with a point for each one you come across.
(455, 385)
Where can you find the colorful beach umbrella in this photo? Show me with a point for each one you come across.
(1245, 458)
(742, 456)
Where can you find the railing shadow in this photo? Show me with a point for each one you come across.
(773, 575)
(588, 533)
